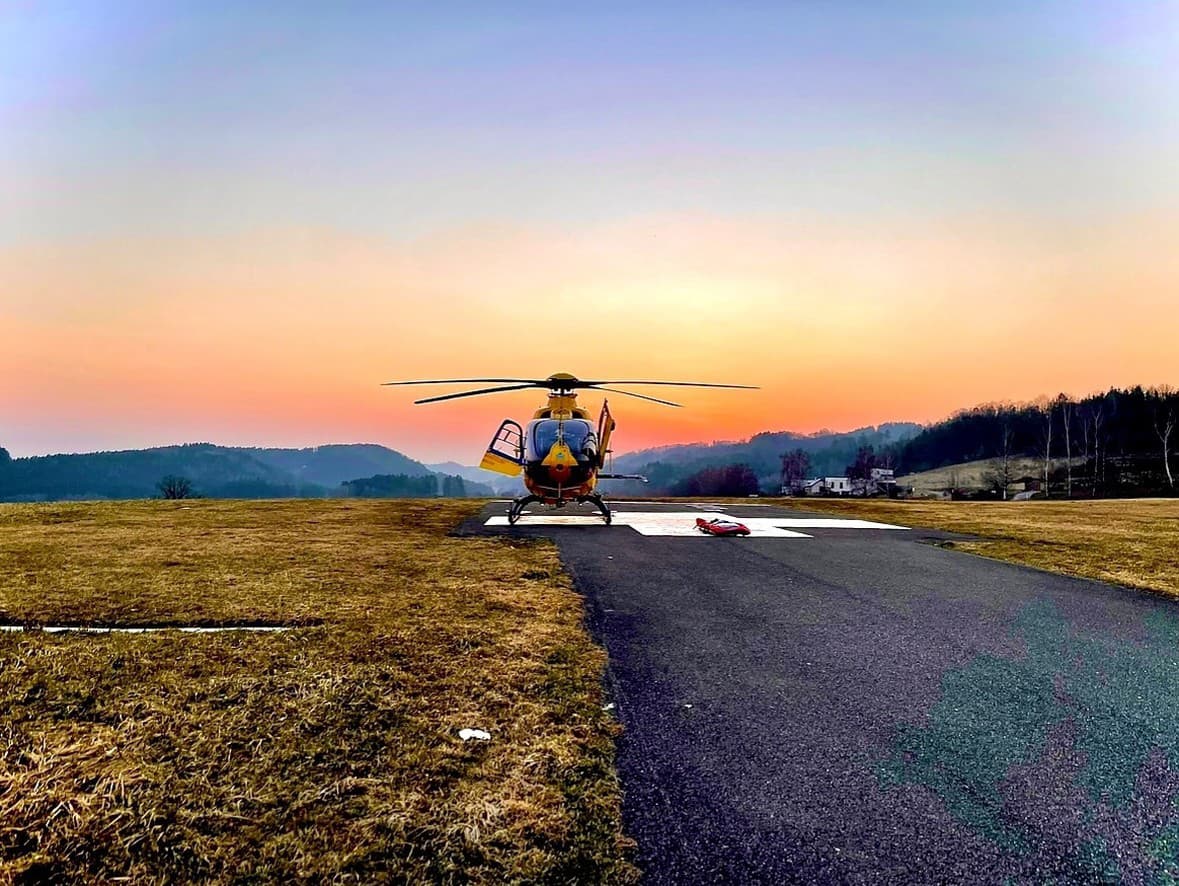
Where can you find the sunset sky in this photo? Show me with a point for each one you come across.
(230, 225)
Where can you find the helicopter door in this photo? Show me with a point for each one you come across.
(605, 426)
(505, 453)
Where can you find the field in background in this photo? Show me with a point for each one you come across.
(1129, 542)
(326, 753)
(975, 474)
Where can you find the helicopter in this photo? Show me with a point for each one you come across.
(560, 452)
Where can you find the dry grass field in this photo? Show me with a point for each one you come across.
(974, 474)
(329, 753)
(1128, 542)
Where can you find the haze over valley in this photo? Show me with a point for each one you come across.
(1114, 445)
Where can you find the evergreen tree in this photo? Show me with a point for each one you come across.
(729, 481)
(393, 486)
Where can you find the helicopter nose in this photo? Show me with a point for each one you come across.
(560, 462)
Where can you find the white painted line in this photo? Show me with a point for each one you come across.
(716, 505)
(832, 523)
(683, 523)
(554, 520)
(185, 629)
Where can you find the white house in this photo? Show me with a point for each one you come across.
(820, 486)
(836, 486)
(881, 482)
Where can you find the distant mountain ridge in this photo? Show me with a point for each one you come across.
(215, 471)
(337, 463)
(887, 434)
(830, 452)
(1119, 443)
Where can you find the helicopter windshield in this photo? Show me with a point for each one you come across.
(578, 436)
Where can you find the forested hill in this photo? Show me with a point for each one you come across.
(213, 471)
(1117, 440)
(829, 453)
(1121, 442)
(500, 484)
(333, 464)
(1117, 443)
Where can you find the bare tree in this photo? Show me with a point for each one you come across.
(1001, 473)
(1083, 442)
(1047, 408)
(795, 466)
(860, 471)
(1097, 416)
(1164, 425)
(865, 461)
(173, 486)
(1066, 412)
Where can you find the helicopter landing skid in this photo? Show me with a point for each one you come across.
(516, 508)
(597, 502)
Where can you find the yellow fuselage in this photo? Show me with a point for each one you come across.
(559, 452)
(561, 458)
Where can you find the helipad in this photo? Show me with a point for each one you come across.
(683, 523)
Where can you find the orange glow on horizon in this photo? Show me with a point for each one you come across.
(282, 337)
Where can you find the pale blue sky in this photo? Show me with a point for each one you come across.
(230, 221)
(119, 118)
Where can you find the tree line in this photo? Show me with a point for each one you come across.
(199, 470)
(378, 486)
(732, 480)
(1118, 443)
(406, 486)
(828, 453)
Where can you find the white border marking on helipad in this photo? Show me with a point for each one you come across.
(832, 523)
(652, 524)
(683, 524)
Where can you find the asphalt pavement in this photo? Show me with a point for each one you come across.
(862, 705)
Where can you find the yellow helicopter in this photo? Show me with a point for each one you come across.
(560, 452)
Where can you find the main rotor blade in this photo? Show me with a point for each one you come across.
(682, 384)
(640, 396)
(468, 381)
(476, 393)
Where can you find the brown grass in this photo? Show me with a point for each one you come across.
(328, 753)
(1133, 543)
(974, 474)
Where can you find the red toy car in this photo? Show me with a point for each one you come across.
(721, 526)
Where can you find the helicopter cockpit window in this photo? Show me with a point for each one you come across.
(578, 435)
